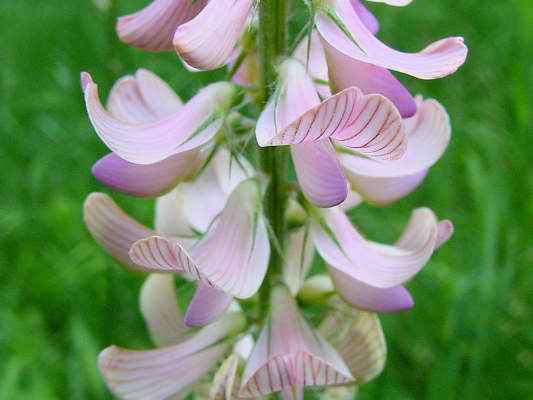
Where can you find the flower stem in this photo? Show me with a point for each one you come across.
(272, 46)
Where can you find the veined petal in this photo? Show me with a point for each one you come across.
(369, 298)
(398, 3)
(345, 72)
(428, 135)
(111, 227)
(142, 98)
(226, 381)
(145, 180)
(231, 170)
(369, 124)
(289, 355)
(352, 200)
(158, 374)
(298, 260)
(437, 60)
(367, 18)
(319, 173)
(159, 307)
(153, 27)
(208, 40)
(359, 339)
(233, 256)
(377, 265)
(193, 125)
(207, 305)
(313, 57)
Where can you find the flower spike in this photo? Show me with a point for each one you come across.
(208, 41)
(153, 27)
(289, 355)
(341, 27)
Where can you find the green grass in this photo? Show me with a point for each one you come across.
(62, 299)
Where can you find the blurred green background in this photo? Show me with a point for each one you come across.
(62, 299)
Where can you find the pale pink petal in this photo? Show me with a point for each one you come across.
(226, 380)
(247, 74)
(194, 124)
(231, 170)
(366, 297)
(359, 339)
(369, 124)
(290, 354)
(207, 305)
(233, 256)
(153, 27)
(298, 259)
(398, 3)
(313, 57)
(381, 266)
(208, 40)
(428, 135)
(437, 60)
(319, 173)
(159, 307)
(170, 218)
(445, 232)
(158, 374)
(144, 180)
(111, 227)
(370, 21)
(142, 98)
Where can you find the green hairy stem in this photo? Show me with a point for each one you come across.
(272, 45)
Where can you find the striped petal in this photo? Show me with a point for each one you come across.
(207, 41)
(289, 355)
(159, 374)
(298, 260)
(342, 28)
(226, 380)
(207, 305)
(368, 124)
(359, 339)
(111, 227)
(369, 298)
(146, 143)
(159, 307)
(153, 27)
(232, 256)
(142, 98)
(319, 173)
(428, 135)
(377, 265)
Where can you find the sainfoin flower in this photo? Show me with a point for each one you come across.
(243, 235)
